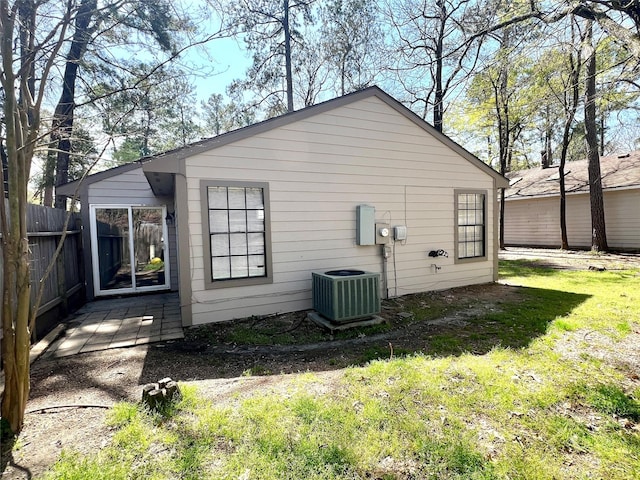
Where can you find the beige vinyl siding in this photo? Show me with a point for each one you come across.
(319, 170)
(128, 188)
(536, 221)
(132, 188)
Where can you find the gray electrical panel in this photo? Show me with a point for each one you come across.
(365, 225)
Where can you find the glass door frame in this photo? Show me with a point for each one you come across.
(95, 254)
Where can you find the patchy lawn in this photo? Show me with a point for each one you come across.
(539, 378)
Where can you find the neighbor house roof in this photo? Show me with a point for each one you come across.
(169, 162)
(617, 171)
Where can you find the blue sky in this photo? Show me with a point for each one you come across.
(227, 60)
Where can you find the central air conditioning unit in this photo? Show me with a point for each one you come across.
(343, 296)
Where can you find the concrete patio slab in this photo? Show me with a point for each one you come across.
(119, 323)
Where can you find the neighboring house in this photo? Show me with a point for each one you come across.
(532, 204)
(239, 222)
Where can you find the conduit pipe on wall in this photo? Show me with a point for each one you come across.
(385, 275)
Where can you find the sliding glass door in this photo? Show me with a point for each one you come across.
(129, 248)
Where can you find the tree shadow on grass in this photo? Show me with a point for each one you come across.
(476, 319)
(533, 266)
(511, 318)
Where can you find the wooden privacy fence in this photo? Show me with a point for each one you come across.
(66, 280)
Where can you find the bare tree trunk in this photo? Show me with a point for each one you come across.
(602, 130)
(547, 154)
(501, 233)
(503, 138)
(502, 110)
(438, 106)
(49, 176)
(598, 235)
(183, 126)
(21, 129)
(5, 162)
(503, 132)
(570, 114)
(564, 238)
(28, 39)
(343, 74)
(147, 120)
(62, 126)
(15, 312)
(287, 56)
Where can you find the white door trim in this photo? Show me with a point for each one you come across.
(95, 257)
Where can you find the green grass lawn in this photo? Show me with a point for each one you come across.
(549, 406)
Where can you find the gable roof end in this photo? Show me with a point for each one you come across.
(158, 166)
(69, 189)
(169, 162)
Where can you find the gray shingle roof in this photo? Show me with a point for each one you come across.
(618, 171)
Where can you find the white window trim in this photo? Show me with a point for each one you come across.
(95, 257)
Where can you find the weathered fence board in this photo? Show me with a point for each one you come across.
(45, 227)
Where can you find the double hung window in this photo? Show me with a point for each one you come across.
(470, 225)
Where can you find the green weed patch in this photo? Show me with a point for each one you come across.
(524, 397)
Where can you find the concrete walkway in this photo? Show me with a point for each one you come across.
(120, 322)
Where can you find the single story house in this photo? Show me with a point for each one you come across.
(237, 223)
(532, 204)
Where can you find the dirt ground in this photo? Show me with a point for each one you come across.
(70, 396)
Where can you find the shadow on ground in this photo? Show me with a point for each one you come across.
(6, 458)
(471, 319)
(479, 319)
(513, 318)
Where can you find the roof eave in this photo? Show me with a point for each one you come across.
(173, 161)
(170, 162)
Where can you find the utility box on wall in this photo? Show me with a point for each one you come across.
(382, 233)
(400, 232)
(365, 225)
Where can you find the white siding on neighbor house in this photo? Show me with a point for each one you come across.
(132, 188)
(622, 217)
(536, 221)
(318, 171)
